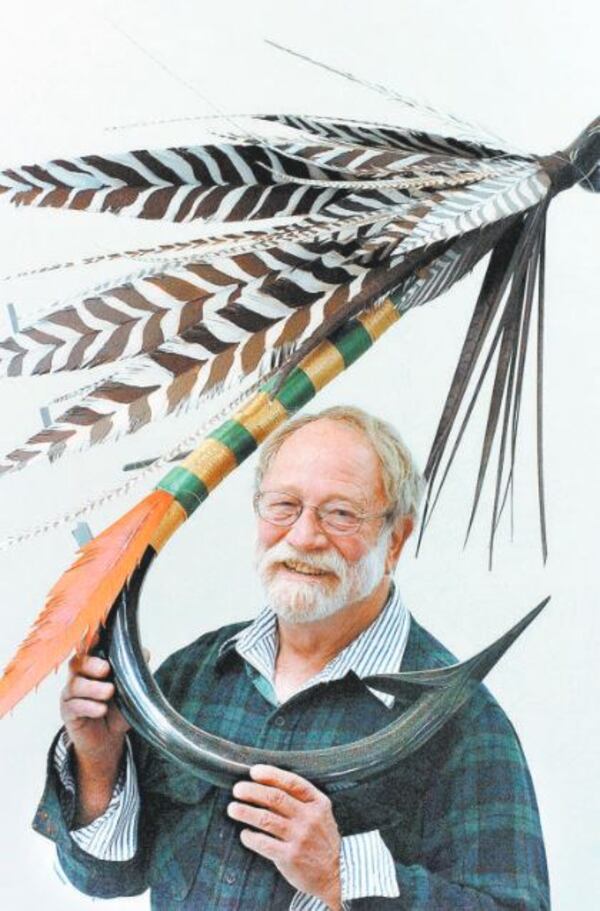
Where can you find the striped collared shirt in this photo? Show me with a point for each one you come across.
(377, 650)
(366, 865)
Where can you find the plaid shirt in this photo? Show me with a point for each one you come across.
(366, 865)
(459, 817)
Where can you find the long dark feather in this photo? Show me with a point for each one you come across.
(540, 395)
(532, 274)
(502, 379)
(511, 264)
(504, 388)
(493, 286)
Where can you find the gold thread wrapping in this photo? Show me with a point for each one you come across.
(174, 517)
(261, 416)
(211, 461)
(378, 320)
(323, 364)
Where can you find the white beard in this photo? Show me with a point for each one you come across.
(299, 601)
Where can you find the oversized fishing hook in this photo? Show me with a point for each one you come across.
(436, 695)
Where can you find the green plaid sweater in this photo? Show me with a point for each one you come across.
(459, 816)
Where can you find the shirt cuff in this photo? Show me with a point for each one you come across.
(112, 836)
(367, 868)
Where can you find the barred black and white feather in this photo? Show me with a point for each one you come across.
(373, 211)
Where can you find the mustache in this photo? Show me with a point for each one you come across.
(281, 552)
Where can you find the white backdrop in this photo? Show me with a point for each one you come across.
(530, 71)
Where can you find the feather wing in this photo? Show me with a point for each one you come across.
(445, 215)
(80, 601)
(387, 211)
(387, 137)
(215, 348)
(226, 182)
(241, 331)
(150, 307)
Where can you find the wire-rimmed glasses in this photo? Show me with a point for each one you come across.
(338, 517)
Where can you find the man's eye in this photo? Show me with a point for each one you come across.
(281, 506)
(340, 512)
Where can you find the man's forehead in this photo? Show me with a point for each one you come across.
(327, 450)
(328, 436)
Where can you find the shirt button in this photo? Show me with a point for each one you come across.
(280, 721)
(230, 878)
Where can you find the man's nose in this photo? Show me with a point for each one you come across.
(306, 532)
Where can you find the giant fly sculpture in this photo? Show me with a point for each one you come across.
(380, 219)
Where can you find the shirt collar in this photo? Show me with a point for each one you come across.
(377, 650)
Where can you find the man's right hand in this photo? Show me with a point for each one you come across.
(97, 731)
(95, 726)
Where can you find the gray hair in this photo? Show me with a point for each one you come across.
(402, 480)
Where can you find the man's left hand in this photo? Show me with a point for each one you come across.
(297, 830)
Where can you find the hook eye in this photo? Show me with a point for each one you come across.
(591, 182)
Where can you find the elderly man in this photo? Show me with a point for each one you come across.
(453, 827)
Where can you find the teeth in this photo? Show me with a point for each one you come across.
(304, 569)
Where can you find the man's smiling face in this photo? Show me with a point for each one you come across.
(308, 572)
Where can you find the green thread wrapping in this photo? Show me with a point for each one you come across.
(235, 436)
(351, 341)
(296, 391)
(186, 487)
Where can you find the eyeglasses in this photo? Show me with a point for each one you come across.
(336, 516)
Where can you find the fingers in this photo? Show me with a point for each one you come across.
(83, 698)
(89, 666)
(84, 688)
(292, 826)
(262, 819)
(273, 811)
(268, 847)
(276, 806)
(292, 784)
(274, 799)
(74, 709)
(95, 667)
(87, 692)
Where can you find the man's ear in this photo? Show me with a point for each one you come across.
(400, 534)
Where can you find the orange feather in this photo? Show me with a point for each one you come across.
(81, 600)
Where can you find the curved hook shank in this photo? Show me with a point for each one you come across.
(223, 762)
